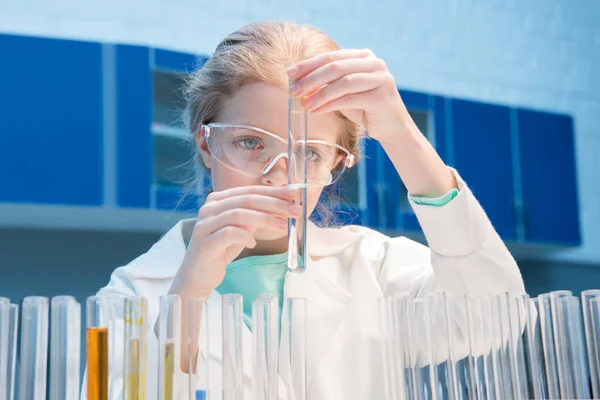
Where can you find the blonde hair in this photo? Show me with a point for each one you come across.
(258, 52)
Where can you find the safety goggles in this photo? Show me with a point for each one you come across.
(254, 152)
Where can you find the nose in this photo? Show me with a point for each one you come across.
(276, 172)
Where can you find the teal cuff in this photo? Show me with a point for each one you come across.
(435, 202)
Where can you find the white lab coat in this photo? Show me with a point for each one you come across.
(350, 268)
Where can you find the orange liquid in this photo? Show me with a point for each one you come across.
(97, 363)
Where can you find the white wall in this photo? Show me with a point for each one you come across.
(535, 53)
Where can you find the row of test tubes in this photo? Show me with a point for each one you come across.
(279, 355)
(494, 347)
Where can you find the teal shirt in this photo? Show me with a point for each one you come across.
(253, 276)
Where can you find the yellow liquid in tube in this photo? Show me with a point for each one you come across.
(169, 370)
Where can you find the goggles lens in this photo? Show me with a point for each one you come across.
(253, 152)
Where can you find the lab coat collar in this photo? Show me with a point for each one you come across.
(165, 257)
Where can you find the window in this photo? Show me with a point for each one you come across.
(173, 145)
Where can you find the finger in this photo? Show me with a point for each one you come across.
(231, 235)
(334, 71)
(258, 202)
(352, 101)
(302, 68)
(282, 192)
(353, 85)
(251, 220)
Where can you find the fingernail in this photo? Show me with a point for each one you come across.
(294, 89)
(282, 222)
(293, 71)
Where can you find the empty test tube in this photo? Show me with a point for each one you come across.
(567, 335)
(4, 342)
(135, 348)
(65, 348)
(265, 335)
(13, 326)
(590, 302)
(33, 356)
(198, 342)
(297, 177)
(293, 337)
(169, 337)
(233, 385)
(544, 309)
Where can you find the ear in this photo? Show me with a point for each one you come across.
(203, 149)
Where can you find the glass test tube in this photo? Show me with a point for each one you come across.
(100, 311)
(384, 307)
(517, 306)
(4, 332)
(482, 348)
(297, 177)
(33, 357)
(265, 335)
(294, 358)
(13, 327)
(401, 357)
(591, 316)
(65, 346)
(233, 386)
(135, 351)
(534, 352)
(169, 337)
(198, 342)
(444, 352)
(582, 384)
(424, 375)
(567, 335)
(544, 309)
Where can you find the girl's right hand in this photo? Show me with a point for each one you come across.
(225, 226)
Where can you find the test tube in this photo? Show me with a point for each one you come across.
(517, 306)
(100, 317)
(169, 337)
(424, 377)
(233, 386)
(482, 347)
(134, 379)
(265, 335)
(198, 342)
(65, 341)
(4, 332)
(402, 349)
(444, 353)
(294, 348)
(591, 318)
(544, 309)
(13, 326)
(582, 384)
(534, 352)
(33, 357)
(567, 334)
(297, 177)
(383, 306)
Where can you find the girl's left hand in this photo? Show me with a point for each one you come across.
(356, 83)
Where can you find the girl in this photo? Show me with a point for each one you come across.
(237, 108)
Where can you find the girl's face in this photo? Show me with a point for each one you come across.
(265, 106)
